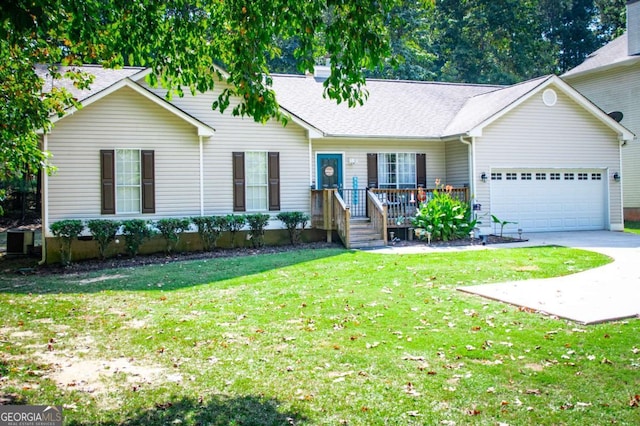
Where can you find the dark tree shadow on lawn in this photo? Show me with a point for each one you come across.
(219, 410)
(174, 273)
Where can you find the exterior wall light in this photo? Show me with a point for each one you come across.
(483, 176)
(616, 177)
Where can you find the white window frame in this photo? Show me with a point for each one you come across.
(123, 185)
(390, 173)
(253, 170)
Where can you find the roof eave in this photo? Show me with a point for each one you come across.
(631, 60)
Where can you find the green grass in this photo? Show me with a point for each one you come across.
(633, 227)
(316, 337)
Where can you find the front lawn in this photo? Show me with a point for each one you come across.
(314, 337)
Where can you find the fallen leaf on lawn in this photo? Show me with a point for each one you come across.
(413, 414)
(413, 358)
(583, 404)
(409, 389)
(372, 345)
(606, 361)
(532, 392)
(473, 412)
(634, 401)
(491, 389)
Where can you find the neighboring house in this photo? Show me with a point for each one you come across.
(610, 78)
(537, 153)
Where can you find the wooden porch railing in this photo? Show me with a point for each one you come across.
(342, 216)
(378, 214)
(402, 204)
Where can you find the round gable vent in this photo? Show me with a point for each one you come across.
(549, 97)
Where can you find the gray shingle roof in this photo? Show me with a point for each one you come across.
(610, 54)
(484, 106)
(398, 109)
(104, 78)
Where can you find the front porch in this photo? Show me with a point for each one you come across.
(362, 217)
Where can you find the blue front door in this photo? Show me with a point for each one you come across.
(329, 171)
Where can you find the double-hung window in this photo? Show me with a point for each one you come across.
(256, 180)
(397, 170)
(127, 181)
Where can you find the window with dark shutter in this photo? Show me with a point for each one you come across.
(147, 160)
(421, 170)
(274, 181)
(107, 182)
(238, 182)
(372, 170)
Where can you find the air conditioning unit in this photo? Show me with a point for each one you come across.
(18, 242)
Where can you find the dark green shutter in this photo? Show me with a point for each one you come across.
(107, 181)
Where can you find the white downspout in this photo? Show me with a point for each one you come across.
(201, 177)
(310, 164)
(472, 166)
(44, 211)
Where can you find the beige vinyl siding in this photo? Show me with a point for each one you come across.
(244, 134)
(457, 155)
(618, 89)
(122, 120)
(534, 135)
(358, 149)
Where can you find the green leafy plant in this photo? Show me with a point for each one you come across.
(171, 228)
(209, 229)
(104, 232)
(136, 232)
(295, 223)
(257, 222)
(66, 231)
(233, 224)
(443, 217)
(502, 223)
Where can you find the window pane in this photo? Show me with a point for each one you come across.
(397, 170)
(128, 181)
(256, 180)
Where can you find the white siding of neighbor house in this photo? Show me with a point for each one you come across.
(359, 148)
(457, 155)
(534, 135)
(244, 134)
(618, 89)
(122, 120)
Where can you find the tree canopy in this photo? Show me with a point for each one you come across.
(182, 41)
(187, 42)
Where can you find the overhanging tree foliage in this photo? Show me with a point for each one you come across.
(182, 41)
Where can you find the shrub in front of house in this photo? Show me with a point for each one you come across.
(295, 223)
(209, 229)
(136, 231)
(104, 232)
(443, 217)
(257, 223)
(233, 224)
(66, 231)
(171, 228)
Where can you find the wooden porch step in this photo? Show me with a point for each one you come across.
(367, 244)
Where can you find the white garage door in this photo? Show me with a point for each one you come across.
(550, 200)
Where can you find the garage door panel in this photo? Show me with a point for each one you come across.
(543, 204)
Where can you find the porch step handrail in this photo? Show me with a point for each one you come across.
(342, 216)
(377, 214)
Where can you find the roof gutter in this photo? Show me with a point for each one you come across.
(631, 60)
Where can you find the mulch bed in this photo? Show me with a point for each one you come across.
(27, 266)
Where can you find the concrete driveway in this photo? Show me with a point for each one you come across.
(607, 293)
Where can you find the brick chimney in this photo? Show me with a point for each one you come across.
(633, 27)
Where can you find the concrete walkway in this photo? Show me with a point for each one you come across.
(607, 293)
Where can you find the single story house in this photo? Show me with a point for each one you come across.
(537, 153)
(610, 78)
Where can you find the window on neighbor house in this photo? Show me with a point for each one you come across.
(127, 181)
(397, 170)
(256, 181)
